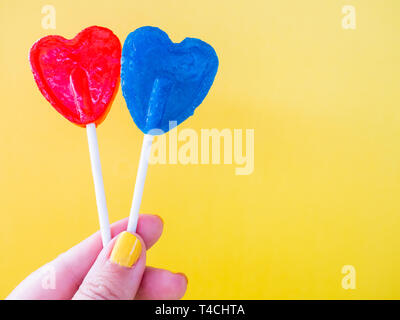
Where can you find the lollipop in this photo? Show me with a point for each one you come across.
(80, 78)
(161, 82)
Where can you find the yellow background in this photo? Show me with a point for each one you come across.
(325, 106)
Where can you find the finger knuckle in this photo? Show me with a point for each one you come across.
(99, 289)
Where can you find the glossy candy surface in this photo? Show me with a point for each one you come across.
(164, 81)
(79, 77)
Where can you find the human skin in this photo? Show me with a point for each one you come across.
(86, 272)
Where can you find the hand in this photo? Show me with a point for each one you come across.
(117, 271)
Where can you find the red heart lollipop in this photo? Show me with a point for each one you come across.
(79, 77)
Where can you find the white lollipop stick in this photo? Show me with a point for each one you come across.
(139, 185)
(98, 184)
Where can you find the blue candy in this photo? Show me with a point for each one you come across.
(164, 81)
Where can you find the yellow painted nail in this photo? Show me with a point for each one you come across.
(126, 250)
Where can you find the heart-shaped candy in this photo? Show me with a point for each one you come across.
(79, 77)
(164, 81)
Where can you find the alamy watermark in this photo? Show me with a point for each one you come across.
(49, 18)
(349, 280)
(349, 18)
(187, 146)
(48, 277)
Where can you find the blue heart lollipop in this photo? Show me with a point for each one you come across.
(164, 81)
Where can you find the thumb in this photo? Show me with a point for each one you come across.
(117, 272)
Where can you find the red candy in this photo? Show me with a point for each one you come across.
(79, 77)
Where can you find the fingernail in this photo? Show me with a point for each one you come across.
(126, 250)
